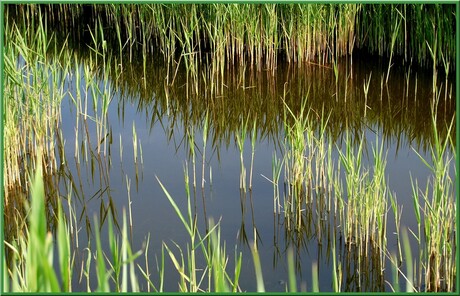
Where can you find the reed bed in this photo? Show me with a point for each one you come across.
(33, 89)
(259, 33)
(206, 41)
(247, 85)
(36, 83)
(435, 24)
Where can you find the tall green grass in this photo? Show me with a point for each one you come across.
(437, 204)
(37, 71)
(34, 88)
(32, 261)
(32, 268)
(258, 33)
(390, 30)
(362, 202)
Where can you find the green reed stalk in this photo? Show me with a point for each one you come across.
(394, 35)
(418, 236)
(253, 146)
(366, 91)
(215, 256)
(187, 275)
(277, 166)
(394, 273)
(433, 52)
(291, 271)
(32, 266)
(446, 64)
(409, 270)
(397, 211)
(352, 163)
(205, 137)
(336, 270)
(257, 268)
(191, 144)
(41, 277)
(240, 139)
(128, 189)
(314, 276)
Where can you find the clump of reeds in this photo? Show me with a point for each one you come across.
(308, 170)
(233, 33)
(364, 214)
(390, 30)
(32, 93)
(436, 214)
(32, 270)
(259, 34)
(366, 195)
(298, 138)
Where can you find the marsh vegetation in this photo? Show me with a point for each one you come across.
(162, 147)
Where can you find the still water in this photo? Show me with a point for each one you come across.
(397, 113)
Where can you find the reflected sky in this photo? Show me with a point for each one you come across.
(165, 155)
(397, 113)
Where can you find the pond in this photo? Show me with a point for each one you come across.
(317, 161)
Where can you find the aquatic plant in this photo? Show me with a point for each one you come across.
(35, 85)
(240, 138)
(439, 213)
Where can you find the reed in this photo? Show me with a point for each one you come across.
(206, 125)
(122, 258)
(33, 252)
(409, 268)
(377, 30)
(417, 235)
(351, 161)
(314, 276)
(240, 138)
(32, 94)
(394, 35)
(191, 144)
(298, 138)
(227, 124)
(135, 150)
(336, 267)
(439, 215)
(31, 271)
(212, 250)
(366, 91)
(297, 135)
(277, 166)
(235, 33)
(364, 219)
(34, 88)
(253, 148)
(257, 268)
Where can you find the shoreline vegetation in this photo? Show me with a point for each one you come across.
(207, 40)
(263, 33)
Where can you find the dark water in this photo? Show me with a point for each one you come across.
(397, 113)
(399, 119)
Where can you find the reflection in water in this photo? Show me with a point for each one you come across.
(306, 209)
(401, 106)
(242, 232)
(398, 107)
